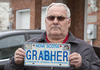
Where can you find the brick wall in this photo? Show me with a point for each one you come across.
(47, 2)
(35, 14)
(35, 10)
(77, 17)
(94, 18)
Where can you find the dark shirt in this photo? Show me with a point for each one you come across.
(90, 61)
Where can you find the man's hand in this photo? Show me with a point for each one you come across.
(75, 60)
(19, 56)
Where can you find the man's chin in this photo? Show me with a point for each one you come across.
(55, 33)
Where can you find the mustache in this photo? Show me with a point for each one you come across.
(56, 26)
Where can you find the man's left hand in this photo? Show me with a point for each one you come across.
(75, 60)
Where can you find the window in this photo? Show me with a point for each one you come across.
(8, 45)
(34, 35)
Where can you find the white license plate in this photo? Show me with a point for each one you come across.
(47, 54)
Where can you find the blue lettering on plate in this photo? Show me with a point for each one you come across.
(29, 58)
(41, 55)
(40, 45)
(34, 54)
(53, 55)
(59, 55)
(52, 46)
(65, 52)
(47, 55)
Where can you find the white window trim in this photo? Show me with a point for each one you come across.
(43, 7)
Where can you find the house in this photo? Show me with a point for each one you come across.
(30, 14)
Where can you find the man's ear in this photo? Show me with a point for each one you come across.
(69, 22)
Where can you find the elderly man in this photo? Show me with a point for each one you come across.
(57, 23)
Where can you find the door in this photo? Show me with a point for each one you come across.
(23, 19)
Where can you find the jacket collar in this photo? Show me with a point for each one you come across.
(72, 38)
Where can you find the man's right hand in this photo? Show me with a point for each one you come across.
(19, 56)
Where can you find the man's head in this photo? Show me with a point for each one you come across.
(61, 4)
(57, 19)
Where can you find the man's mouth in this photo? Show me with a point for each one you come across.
(55, 27)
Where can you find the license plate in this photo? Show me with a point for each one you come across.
(47, 54)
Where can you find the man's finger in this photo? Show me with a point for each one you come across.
(21, 50)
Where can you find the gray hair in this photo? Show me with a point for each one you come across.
(68, 11)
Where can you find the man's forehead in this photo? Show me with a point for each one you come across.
(56, 6)
(58, 9)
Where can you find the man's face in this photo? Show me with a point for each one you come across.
(57, 26)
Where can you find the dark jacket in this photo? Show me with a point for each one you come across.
(90, 61)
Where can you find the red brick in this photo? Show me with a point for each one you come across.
(35, 15)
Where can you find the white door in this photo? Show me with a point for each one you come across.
(23, 19)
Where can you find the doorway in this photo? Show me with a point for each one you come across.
(23, 19)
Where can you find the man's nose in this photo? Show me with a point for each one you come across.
(55, 21)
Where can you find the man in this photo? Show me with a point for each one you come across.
(57, 23)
